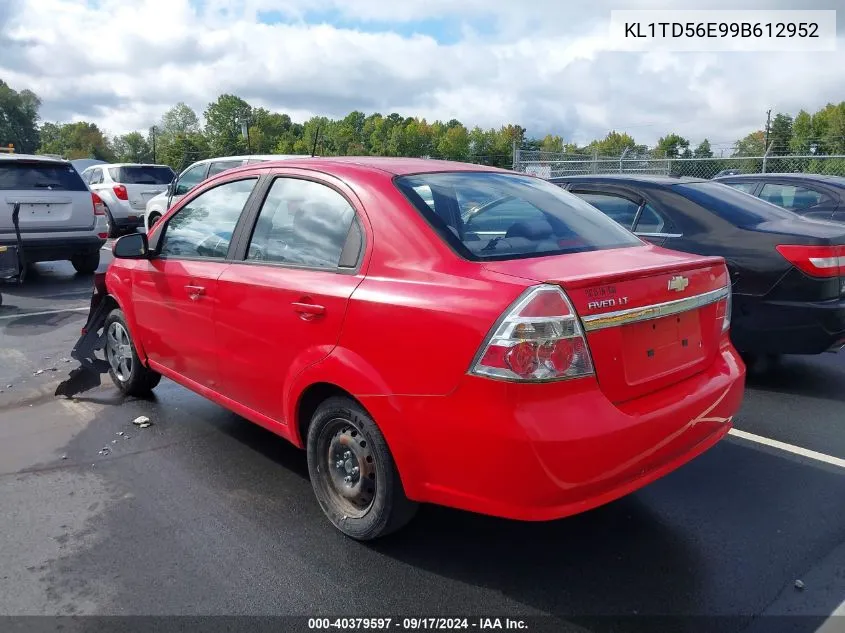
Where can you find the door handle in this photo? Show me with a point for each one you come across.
(308, 310)
(195, 292)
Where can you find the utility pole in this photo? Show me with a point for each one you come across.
(768, 124)
(153, 134)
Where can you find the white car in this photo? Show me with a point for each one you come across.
(194, 175)
(125, 189)
(59, 218)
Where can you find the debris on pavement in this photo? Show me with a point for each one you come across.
(8, 386)
(799, 584)
(38, 373)
(142, 422)
(64, 456)
(120, 433)
(104, 451)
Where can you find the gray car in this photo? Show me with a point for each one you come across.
(60, 219)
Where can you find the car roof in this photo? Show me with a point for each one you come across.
(393, 165)
(131, 165)
(839, 180)
(630, 178)
(40, 157)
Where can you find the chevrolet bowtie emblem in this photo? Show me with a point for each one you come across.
(678, 284)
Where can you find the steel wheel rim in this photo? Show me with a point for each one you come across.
(348, 468)
(119, 351)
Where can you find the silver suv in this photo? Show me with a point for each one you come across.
(125, 189)
(60, 219)
(196, 173)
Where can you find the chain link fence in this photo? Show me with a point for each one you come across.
(550, 164)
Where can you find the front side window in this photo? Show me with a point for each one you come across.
(190, 179)
(485, 215)
(204, 226)
(301, 223)
(791, 197)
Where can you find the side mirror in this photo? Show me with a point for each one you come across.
(171, 187)
(132, 246)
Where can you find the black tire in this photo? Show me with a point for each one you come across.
(380, 506)
(110, 225)
(759, 365)
(86, 263)
(154, 217)
(133, 378)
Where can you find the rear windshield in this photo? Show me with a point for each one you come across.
(142, 175)
(507, 216)
(24, 175)
(735, 206)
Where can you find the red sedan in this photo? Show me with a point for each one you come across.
(429, 332)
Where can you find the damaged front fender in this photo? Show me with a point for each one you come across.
(87, 375)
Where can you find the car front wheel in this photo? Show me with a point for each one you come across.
(86, 263)
(353, 473)
(125, 368)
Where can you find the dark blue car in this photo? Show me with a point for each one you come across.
(812, 195)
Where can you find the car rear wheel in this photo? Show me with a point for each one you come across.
(125, 368)
(353, 473)
(86, 263)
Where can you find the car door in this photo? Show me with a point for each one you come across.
(175, 291)
(186, 181)
(282, 304)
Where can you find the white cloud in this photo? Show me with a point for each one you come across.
(122, 63)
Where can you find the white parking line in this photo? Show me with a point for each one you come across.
(789, 448)
(59, 311)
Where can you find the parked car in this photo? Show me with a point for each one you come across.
(125, 189)
(60, 219)
(788, 272)
(414, 355)
(812, 195)
(194, 175)
(728, 172)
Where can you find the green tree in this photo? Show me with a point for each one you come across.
(552, 144)
(780, 134)
(267, 130)
(673, 146)
(829, 124)
(454, 143)
(75, 140)
(180, 119)
(613, 144)
(181, 150)
(223, 119)
(132, 148)
(803, 133)
(753, 144)
(19, 119)
(703, 150)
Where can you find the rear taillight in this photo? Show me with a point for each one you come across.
(723, 310)
(538, 339)
(120, 192)
(816, 261)
(99, 205)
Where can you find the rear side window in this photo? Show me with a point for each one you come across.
(141, 175)
(24, 175)
(790, 196)
(220, 166)
(731, 205)
(488, 216)
(616, 208)
(302, 223)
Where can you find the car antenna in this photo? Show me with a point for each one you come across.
(316, 138)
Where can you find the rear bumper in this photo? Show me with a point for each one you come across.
(783, 327)
(546, 451)
(58, 247)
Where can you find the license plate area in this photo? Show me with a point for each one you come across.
(661, 346)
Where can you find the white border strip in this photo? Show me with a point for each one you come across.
(789, 448)
(60, 311)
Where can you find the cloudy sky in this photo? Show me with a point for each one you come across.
(546, 64)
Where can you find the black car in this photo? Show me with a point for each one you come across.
(787, 272)
(812, 195)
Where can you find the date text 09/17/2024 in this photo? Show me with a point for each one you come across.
(417, 624)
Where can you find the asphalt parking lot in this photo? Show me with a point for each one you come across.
(205, 513)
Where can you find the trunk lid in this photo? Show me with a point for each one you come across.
(652, 317)
(139, 195)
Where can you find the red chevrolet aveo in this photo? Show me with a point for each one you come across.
(429, 332)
